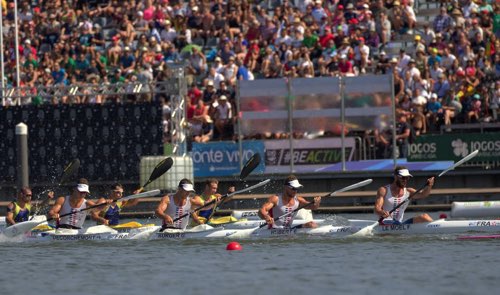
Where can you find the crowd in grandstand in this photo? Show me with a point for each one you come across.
(447, 73)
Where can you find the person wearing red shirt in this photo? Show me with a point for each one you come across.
(323, 40)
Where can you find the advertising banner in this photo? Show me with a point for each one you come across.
(309, 154)
(455, 146)
(223, 158)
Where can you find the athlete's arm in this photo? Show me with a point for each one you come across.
(425, 192)
(160, 210)
(313, 206)
(95, 214)
(9, 218)
(54, 212)
(264, 210)
(379, 203)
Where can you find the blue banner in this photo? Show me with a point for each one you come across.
(223, 158)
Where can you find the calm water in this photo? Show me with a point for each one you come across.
(376, 265)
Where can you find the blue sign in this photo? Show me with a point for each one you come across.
(213, 159)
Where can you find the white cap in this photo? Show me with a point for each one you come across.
(27, 41)
(222, 97)
(210, 83)
(188, 187)
(434, 95)
(127, 48)
(294, 183)
(404, 173)
(343, 56)
(195, 8)
(83, 188)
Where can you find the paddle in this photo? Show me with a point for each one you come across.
(369, 229)
(22, 227)
(222, 198)
(68, 173)
(347, 188)
(160, 169)
(249, 166)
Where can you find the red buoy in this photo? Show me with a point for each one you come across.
(443, 216)
(234, 246)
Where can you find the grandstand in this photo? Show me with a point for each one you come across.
(443, 55)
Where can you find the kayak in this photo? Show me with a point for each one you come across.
(22, 227)
(489, 228)
(475, 209)
(98, 232)
(437, 227)
(197, 232)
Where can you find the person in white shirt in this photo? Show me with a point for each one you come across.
(216, 77)
(404, 59)
(362, 55)
(168, 34)
(448, 60)
(223, 116)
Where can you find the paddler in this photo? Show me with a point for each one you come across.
(391, 195)
(20, 209)
(110, 214)
(208, 195)
(172, 206)
(72, 203)
(288, 201)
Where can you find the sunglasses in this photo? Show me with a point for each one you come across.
(404, 177)
(293, 188)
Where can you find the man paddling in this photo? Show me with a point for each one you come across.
(19, 210)
(391, 195)
(177, 204)
(110, 214)
(209, 194)
(72, 203)
(279, 205)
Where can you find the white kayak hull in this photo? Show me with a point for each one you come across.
(437, 227)
(441, 226)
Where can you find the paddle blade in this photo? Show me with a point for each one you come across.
(352, 186)
(151, 193)
(70, 171)
(465, 159)
(250, 165)
(161, 169)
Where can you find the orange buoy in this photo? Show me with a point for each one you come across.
(234, 246)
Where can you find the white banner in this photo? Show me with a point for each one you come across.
(309, 154)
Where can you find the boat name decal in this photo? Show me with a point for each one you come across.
(484, 223)
(341, 229)
(283, 231)
(171, 235)
(394, 227)
(433, 225)
(75, 237)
